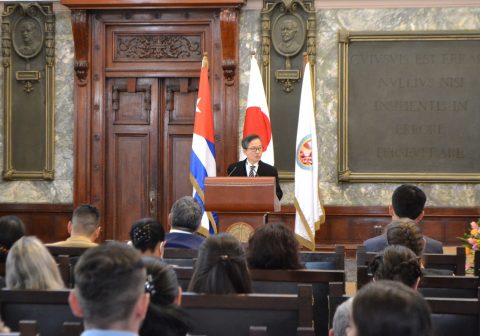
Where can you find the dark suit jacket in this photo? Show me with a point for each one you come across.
(378, 243)
(183, 240)
(264, 169)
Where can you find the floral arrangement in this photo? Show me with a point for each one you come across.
(471, 240)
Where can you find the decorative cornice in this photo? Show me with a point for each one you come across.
(325, 4)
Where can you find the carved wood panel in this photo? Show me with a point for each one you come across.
(132, 153)
(165, 43)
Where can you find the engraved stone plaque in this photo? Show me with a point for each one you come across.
(409, 107)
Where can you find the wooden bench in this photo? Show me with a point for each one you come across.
(66, 258)
(450, 316)
(180, 257)
(286, 281)
(453, 316)
(233, 315)
(324, 260)
(453, 262)
(49, 308)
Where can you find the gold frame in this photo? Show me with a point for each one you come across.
(46, 10)
(343, 170)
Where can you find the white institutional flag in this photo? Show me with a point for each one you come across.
(257, 115)
(309, 212)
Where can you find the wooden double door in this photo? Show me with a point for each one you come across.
(149, 124)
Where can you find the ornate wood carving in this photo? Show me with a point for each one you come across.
(228, 20)
(147, 98)
(80, 29)
(155, 47)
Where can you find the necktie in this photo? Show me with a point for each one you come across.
(252, 171)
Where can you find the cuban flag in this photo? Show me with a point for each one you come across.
(202, 159)
(257, 116)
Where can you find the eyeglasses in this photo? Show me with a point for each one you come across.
(255, 149)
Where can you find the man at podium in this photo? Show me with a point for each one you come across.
(252, 166)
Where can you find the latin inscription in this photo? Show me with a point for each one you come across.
(413, 106)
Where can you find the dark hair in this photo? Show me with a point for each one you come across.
(249, 138)
(109, 280)
(186, 214)
(273, 246)
(408, 201)
(389, 308)
(221, 267)
(407, 233)
(146, 233)
(397, 263)
(85, 219)
(11, 230)
(164, 317)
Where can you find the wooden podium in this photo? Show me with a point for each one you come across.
(241, 203)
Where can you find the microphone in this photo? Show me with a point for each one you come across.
(234, 168)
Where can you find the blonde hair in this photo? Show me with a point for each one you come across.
(30, 266)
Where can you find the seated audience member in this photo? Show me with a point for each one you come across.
(30, 266)
(408, 201)
(164, 316)
(221, 267)
(273, 246)
(397, 263)
(148, 236)
(11, 230)
(184, 219)
(109, 291)
(389, 308)
(84, 227)
(406, 233)
(341, 319)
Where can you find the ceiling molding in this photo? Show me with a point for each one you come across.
(357, 4)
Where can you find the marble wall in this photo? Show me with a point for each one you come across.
(329, 21)
(61, 189)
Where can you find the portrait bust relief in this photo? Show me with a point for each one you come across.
(288, 35)
(28, 38)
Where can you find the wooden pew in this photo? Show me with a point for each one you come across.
(49, 308)
(450, 316)
(66, 258)
(455, 316)
(453, 262)
(286, 281)
(180, 257)
(184, 274)
(219, 315)
(324, 260)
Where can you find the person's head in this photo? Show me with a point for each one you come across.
(408, 201)
(109, 288)
(289, 29)
(30, 266)
(389, 308)
(164, 316)
(397, 263)
(11, 230)
(85, 222)
(26, 30)
(252, 148)
(407, 233)
(148, 236)
(341, 319)
(273, 246)
(221, 267)
(186, 214)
